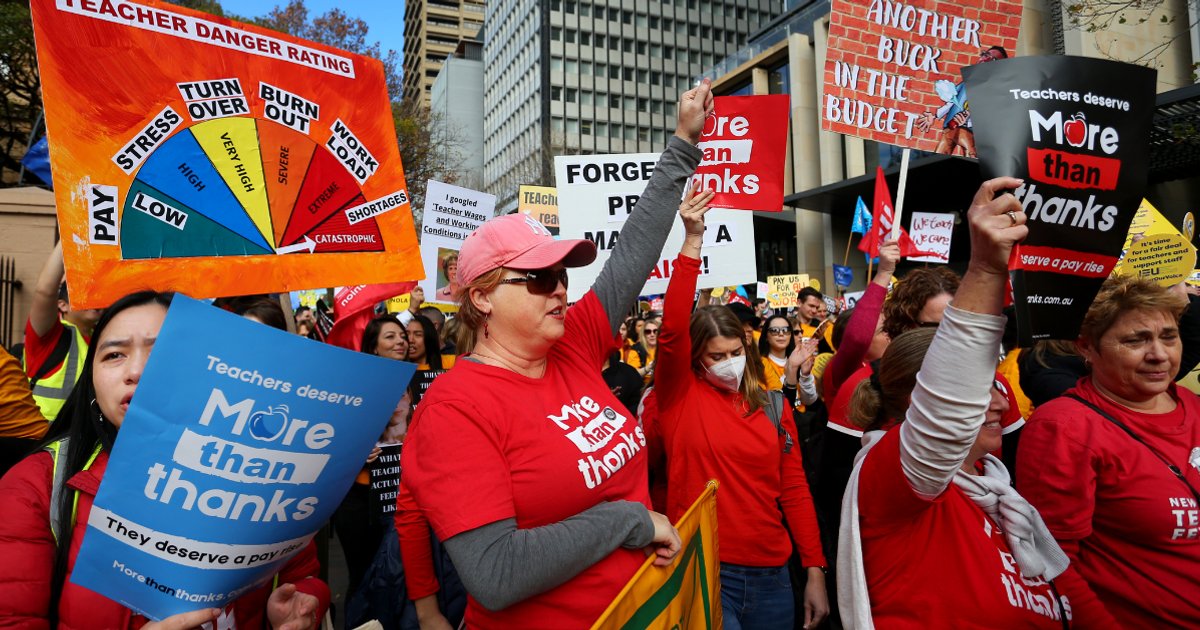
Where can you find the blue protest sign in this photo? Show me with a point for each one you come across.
(238, 445)
(842, 275)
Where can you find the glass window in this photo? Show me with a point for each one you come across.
(585, 68)
(585, 98)
(556, 63)
(627, 17)
(630, 103)
(629, 131)
(656, 107)
(643, 134)
(569, 36)
(555, 93)
(556, 124)
(643, 76)
(572, 126)
(641, 48)
(601, 129)
(599, 41)
(614, 131)
(627, 45)
(614, 72)
(778, 81)
(641, 20)
(555, 33)
(572, 95)
(654, 22)
(585, 126)
(585, 38)
(614, 101)
(572, 66)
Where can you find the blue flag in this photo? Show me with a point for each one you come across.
(842, 276)
(37, 160)
(862, 218)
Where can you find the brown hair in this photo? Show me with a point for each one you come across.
(871, 407)
(472, 318)
(903, 306)
(1121, 294)
(719, 321)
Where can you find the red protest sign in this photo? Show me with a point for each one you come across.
(744, 144)
(892, 68)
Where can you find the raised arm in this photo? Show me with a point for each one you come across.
(674, 337)
(642, 238)
(954, 385)
(860, 330)
(43, 307)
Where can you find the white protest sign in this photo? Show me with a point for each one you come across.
(451, 214)
(931, 233)
(596, 194)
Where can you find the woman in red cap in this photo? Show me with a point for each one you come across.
(526, 465)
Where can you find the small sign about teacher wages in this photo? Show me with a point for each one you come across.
(237, 447)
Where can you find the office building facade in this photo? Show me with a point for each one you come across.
(594, 76)
(432, 32)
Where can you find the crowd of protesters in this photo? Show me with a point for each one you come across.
(900, 464)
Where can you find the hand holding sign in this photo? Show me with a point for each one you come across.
(997, 224)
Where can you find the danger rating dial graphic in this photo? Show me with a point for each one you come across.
(240, 186)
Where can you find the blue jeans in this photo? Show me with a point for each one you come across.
(756, 598)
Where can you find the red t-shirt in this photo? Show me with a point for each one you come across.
(708, 436)
(940, 563)
(500, 445)
(1131, 527)
(38, 348)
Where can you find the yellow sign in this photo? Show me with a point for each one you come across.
(782, 290)
(686, 594)
(541, 203)
(1165, 258)
(1156, 249)
(398, 304)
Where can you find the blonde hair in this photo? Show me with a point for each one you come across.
(473, 318)
(1121, 294)
(718, 321)
(870, 407)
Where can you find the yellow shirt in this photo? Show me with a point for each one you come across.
(1008, 369)
(774, 374)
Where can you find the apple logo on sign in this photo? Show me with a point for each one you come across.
(1075, 130)
(268, 425)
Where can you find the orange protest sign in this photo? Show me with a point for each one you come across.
(216, 158)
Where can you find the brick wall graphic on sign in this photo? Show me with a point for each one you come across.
(892, 68)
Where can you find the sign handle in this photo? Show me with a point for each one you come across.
(900, 194)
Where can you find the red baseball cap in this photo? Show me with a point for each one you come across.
(518, 241)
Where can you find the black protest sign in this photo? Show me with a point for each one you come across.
(385, 479)
(1076, 130)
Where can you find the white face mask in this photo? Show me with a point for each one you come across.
(727, 374)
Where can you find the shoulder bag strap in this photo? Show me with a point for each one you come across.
(1124, 427)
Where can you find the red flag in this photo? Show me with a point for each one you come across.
(881, 223)
(354, 307)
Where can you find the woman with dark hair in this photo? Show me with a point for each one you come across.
(424, 347)
(525, 463)
(775, 345)
(39, 540)
(1114, 464)
(355, 520)
(715, 425)
(932, 534)
(385, 337)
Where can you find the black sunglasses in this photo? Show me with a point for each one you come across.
(778, 330)
(540, 281)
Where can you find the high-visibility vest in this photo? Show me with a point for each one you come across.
(50, 392)
(58, 484)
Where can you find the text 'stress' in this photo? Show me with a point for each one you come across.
(1076, 130)
(216, 158)
(229, 459)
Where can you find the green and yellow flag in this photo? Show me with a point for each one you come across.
(686, 594)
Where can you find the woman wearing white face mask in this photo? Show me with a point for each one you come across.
(715, 426)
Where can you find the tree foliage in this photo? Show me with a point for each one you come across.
(335, 28)
(1096, 16)
(20, 87)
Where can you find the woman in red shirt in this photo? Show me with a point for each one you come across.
(714, 426)
(932, 535)
(525, 463)
(1114, 465)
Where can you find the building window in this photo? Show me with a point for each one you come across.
(556, 124)
(572, 95)
(556, 64)
(573, 126)
(555, 34)
(614, 132)
(614, 101)
(601, 129)
(585, 38)
(555, 93)
(585, 127)
(569, 37)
